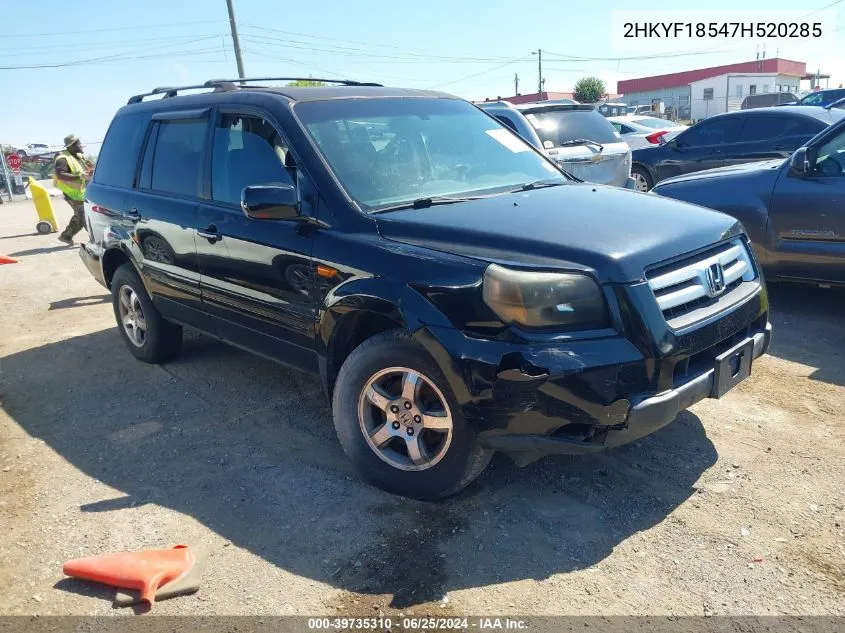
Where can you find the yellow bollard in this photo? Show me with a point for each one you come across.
(44, 207)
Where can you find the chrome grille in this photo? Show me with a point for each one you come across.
(705, 279)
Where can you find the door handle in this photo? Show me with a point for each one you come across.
(210, 233)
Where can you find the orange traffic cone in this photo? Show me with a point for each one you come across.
(145, 571)
(5, 259)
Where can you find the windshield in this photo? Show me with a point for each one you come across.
(822, 98)
(560, 126)
(653, 122)
(391, 151)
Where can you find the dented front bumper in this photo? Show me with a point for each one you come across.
(577, 396)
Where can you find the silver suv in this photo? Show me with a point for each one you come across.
(583, 142)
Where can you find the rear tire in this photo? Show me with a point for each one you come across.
(147, 335)
(44, 228)
(427, 458)
(642, 177)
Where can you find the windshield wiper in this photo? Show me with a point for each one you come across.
(424, 203)
(537, 184)
(582, 141)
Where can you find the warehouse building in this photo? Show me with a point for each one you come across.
(681, 92)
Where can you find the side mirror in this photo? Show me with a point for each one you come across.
(800, 162)
(270, 202)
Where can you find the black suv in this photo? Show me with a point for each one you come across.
(456, 292)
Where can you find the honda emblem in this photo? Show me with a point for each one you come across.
(715, 280)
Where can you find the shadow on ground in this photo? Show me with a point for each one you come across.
(74, 302)
(808, 328)
(40, 251)
(247, 448)
(12, 237)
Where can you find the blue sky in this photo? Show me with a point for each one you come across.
(467, 47)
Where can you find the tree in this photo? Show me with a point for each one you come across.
(304, 83)
(589, 90)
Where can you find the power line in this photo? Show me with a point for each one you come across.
(119, 28)
(116, 57)
(483, 72)
(357, 52)
(263, 55)
(832, 4)
(335, 39)
(574, 58)
(61, 48)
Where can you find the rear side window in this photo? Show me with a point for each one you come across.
(761, 128)
(119, 155)
(805, 127)
(715, 132)
(176, 165)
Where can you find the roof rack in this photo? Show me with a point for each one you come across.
(344, 82)
(172, 91)
(226, 85)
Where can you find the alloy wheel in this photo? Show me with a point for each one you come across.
(405, 418)
(132, 316)
(641, 182)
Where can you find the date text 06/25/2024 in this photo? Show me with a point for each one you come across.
(420, 623)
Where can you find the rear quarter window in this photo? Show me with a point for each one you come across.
(118, 157)
(806, 127)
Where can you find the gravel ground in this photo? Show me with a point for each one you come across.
(735, 508)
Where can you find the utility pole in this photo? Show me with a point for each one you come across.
(235, 41)
(515, 84)
(539, 70)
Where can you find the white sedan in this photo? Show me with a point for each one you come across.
(643, 131)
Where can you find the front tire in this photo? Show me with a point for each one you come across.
(147, 335)
(399, 423)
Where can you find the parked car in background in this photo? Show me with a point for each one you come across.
(792, 209)
(642, 131)
(455, 292)
(732, 138)
(822, 97)
(506, 114)
(581, 141)
(767, 100)
(37, 149)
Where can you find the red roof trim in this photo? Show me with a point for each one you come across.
(676, 80)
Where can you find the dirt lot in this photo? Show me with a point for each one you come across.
(735, 508)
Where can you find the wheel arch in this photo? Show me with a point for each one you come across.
(646, 169)
(112, 259)
(361, 309)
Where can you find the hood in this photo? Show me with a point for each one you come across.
(745, 169)
(611, 233)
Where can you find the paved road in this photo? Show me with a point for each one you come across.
(101, 453)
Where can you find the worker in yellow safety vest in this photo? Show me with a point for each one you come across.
(72, 171)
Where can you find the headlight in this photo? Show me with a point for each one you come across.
(544, 300)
